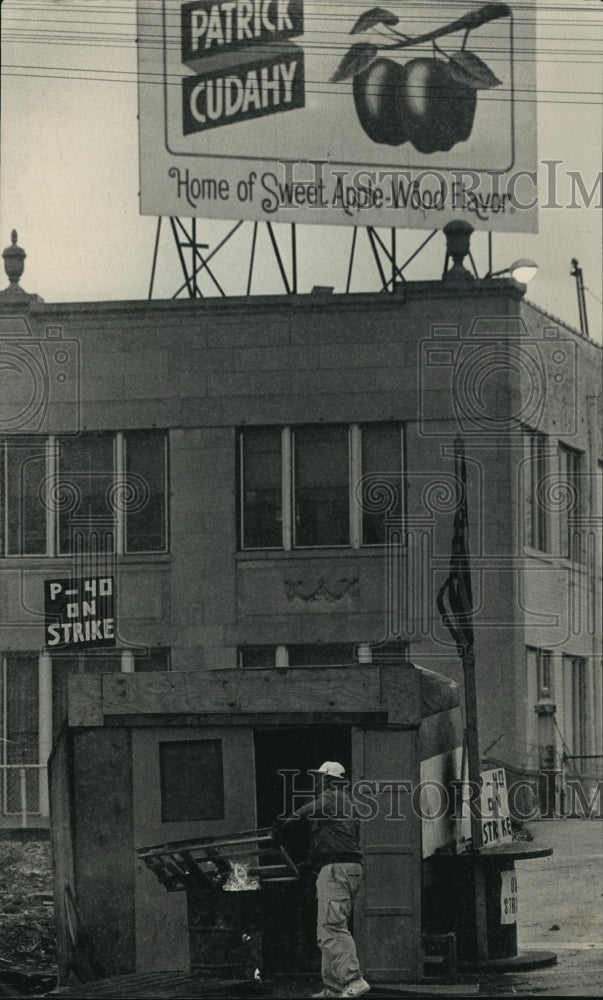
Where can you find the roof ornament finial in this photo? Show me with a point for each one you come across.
(14, 264)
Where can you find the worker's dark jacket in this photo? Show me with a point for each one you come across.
(334, 834)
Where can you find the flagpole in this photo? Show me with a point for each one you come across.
(459, 621)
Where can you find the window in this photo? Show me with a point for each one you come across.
(570, 463)
(298, 485)
(321, 486)
(260, 464)
(257, 656)
(381, 458)
(536, 534)
(152, 660)
(85, 479)
(22, 475)
(306, 655)
(19, 745)
(54, 489)
(579, 704)
(146, 478)
(192, 780)
(322, 655)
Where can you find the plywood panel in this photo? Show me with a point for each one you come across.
(104, 845)
(61, 835)
(388, 911)
(85, 707)
(161, 917)
(302, 690)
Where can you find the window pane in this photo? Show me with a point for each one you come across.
(579, 708)
(261, 488)
(571, 535)
(257, 656)
(322, 477)
(151, 660)
(86, 480)
(24, 513)
(382, 456)
(535, 513)
(192, 780)
(146, 489)
(21, 730)
(321, 655)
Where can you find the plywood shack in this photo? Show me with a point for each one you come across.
(147, 759)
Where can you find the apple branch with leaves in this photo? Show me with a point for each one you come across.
(464, 66)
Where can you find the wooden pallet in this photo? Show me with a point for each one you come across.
(210, 862)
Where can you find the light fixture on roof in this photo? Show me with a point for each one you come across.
(522, 270)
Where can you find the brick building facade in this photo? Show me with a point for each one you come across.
(272, 483)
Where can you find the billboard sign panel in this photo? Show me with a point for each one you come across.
(338, 113)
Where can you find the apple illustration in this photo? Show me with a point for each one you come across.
(377, 97)
(419, 102)
(430, 101)
(438, 110)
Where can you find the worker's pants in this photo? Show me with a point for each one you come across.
(336, 887)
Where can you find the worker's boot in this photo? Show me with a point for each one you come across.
(326, 993)
(357, 988)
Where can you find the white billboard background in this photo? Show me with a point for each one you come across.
(231, 163)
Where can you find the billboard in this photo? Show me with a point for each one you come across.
(339, 112)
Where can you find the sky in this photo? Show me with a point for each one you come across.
(69, 169)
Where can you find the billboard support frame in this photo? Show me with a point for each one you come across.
(387, 258)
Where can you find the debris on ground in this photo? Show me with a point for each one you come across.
(27, 928)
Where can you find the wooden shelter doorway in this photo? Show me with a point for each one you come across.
(290, 919)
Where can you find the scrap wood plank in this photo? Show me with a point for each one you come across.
(324, 689)
(353, 689)
(197, 692)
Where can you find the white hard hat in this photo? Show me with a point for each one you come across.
(333, 768)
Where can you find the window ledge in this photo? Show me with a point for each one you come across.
(41, 562)
(554, 560)
(531, 553)
(253, 555)
(580, 566)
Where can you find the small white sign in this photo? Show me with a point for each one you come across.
(496, 818)
(508, 898)
(493, 812)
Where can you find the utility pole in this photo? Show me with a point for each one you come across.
(576, 273)
(458, 619)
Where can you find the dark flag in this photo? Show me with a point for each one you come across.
(455, 598)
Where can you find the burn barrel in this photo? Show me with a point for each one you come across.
(225, 933)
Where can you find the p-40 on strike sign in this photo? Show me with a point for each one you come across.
(80, 612)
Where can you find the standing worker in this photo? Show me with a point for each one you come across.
(336, 856)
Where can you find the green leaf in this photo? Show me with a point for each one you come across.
(376, 15)
(465, 67)
(354, 61)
